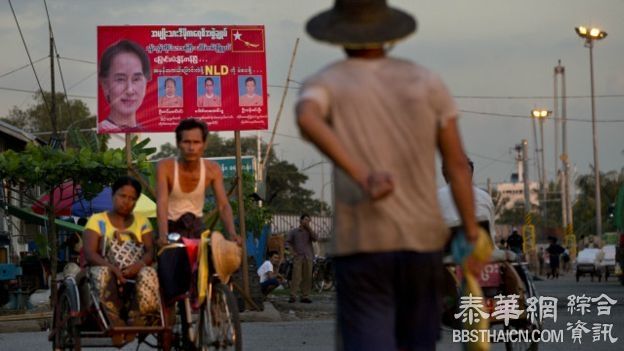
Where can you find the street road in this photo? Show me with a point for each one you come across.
(311, 334)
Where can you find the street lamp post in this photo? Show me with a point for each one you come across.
(590, 35)
(540, 115)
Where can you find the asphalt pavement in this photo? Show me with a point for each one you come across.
(311, 326)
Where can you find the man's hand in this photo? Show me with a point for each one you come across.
(162, 241)
(237, 239)
(379, 185)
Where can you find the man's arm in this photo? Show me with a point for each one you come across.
(454, 158)
(313, 234)
(223, 205)
(310, 120)
(162, 201)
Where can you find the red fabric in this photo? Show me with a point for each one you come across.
(192, 249)
(63, 200)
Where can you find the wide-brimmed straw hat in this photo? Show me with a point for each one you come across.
(361, 23)
(226, 255)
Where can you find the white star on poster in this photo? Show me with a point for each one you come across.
(237, 36)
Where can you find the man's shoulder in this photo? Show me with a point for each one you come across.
(212, 167)
(166, 164)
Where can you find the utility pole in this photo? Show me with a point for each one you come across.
(54, 136)
(525, 176)
(528, 231)
(568, 222)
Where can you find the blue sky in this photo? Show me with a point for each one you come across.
(496, 57)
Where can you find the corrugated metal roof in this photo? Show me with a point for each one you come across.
(283, 223)
(17, 133)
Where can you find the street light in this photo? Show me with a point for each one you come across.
(590, 35)
(540, 115)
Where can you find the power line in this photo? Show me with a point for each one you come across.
(77, 60)
(29, 58)
(82, 80)
(21, 67)
(529, 117)
(281, 86)
(284, 135)
(489, 158)
(58, 62)
(497, 159)
(35, 92)
(533, 97)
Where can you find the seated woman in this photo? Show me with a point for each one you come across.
(118, 247)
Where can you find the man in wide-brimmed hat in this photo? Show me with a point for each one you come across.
(381, 120)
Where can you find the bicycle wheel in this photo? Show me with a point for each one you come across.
(219, 326)
(181, 339)
(67, 336)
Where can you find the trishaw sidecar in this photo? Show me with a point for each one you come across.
(78, 321)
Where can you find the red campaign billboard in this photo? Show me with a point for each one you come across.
(151, 77)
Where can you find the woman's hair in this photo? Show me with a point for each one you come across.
(125, 180)
(188, 124)
(124, 46)
(208, 79)
(250, 79)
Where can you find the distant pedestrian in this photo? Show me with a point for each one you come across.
(300, 242)
(565, 259)
(554, 251)
(515, 242)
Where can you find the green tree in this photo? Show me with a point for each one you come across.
(36, 117)
(584, 210)
(285, 191)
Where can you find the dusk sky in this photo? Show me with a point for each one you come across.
(497, 58)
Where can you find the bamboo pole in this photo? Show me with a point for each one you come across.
(241, 211)
(281, 108)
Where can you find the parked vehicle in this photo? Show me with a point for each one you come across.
(322, 274)
(589, 261)
(608, 263)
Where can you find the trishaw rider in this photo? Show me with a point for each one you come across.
(182, 184)
(484, 211)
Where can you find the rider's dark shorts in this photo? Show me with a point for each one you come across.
(187, 225)
(388, 301)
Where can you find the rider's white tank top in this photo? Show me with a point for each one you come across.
(181, 202)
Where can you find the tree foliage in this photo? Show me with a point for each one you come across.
(584, 210)
(584, 207)
(70, 113)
